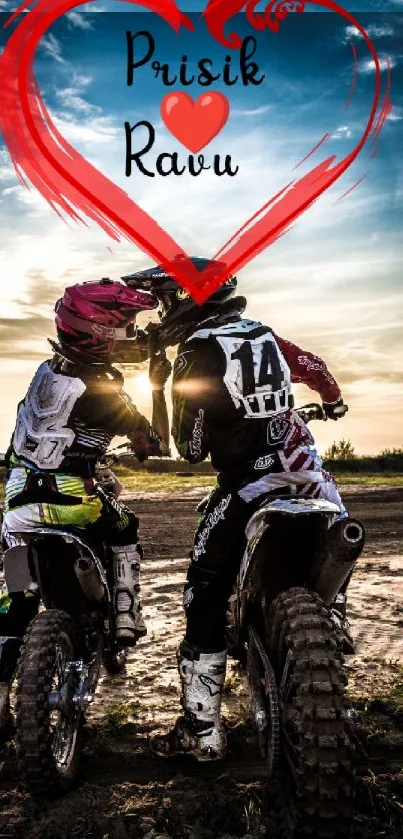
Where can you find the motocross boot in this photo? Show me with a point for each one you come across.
(199, 731)
(128, 615)
(338, 611)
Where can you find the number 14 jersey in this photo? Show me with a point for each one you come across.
(232, 395)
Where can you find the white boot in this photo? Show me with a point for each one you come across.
(199, 732)
(5, 715)
(128, 615)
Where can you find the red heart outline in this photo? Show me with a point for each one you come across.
(70, 183)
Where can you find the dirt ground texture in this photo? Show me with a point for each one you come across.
(124, 792)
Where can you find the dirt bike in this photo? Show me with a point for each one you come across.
(298, 555)
(65, 645)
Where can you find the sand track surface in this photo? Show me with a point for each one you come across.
(124, 792)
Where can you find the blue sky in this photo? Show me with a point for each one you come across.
(332, 284)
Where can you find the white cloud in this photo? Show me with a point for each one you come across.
(10, 190)
(52, 47)
(7, 173)
(71, 101)
(374, 30)
(34, 203)
(395, 115)
(80, 20)
(368, 65)
(98, 130)
(342, 132)
(252, 112)
(82, 81)
(78, 119)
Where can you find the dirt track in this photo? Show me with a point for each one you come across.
(124, 792)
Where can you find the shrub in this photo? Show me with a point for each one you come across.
(344, 450)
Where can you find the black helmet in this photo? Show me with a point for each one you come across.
(178, 312)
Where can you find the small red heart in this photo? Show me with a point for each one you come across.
(195, 123)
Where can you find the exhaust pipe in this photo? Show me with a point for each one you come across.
(344, 544)
(88, 576)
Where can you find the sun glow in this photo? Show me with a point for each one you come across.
(141, 385)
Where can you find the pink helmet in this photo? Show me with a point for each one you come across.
(92, 318)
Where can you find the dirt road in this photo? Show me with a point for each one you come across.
(124, 792)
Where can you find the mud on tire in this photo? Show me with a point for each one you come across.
(316, 782)
(49, 643)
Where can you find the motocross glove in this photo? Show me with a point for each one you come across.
(160, 368)
(159, 371)
(336, 410)
(146, 445)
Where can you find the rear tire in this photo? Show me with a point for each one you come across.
(316, 782)
(47, 740)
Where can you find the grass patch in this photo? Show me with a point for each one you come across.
(369, 480)
(393, 694)
(379, 716)
(143, 481)
(119, 713)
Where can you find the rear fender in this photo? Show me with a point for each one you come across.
(262, 520)
(17, 572)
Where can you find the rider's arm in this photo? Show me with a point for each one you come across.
(159, 371)
(192, 393)
(160, 419)
(112, 409)
(310, 370)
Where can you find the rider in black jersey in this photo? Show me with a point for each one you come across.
(232, 401)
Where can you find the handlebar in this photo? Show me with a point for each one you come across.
(114, 455)
(310, 412)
